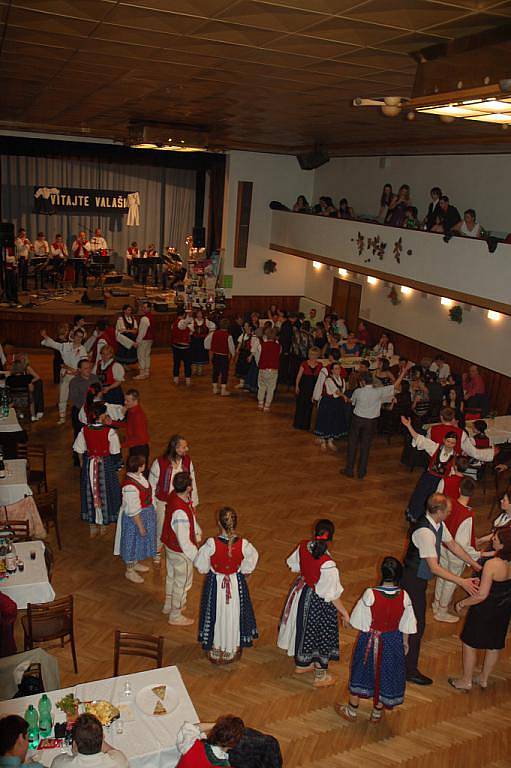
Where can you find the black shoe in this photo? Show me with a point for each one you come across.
(361, 477)
(347, 472)
(419, 679)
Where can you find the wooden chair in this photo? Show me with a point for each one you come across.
(50, 621)
(134, 644)
(36, 464)
(47, 504)
(21, 530)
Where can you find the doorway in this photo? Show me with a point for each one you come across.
(346, 298)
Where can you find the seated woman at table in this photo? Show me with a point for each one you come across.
(208, 744)
(23, 375)
(227, 621)
(351, 347)
(100, 457)
(385, 347)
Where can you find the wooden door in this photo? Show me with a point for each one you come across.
(346, 301)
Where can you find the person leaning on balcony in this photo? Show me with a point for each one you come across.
(469, 227)
(449, 214)
(301, 205)
(397, 207)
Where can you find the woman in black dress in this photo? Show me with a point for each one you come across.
(304, 387)
(488, 618)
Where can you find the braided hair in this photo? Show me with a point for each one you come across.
(228, 519)
(323, 533)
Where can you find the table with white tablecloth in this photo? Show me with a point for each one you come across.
(499, 429)
(148, 741)
(24, 509)
(14, 485)
(30, 585)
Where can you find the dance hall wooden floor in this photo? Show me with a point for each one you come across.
(279, 482)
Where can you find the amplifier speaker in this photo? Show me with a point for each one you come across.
(6, 234)
(115, 279)
(199, 237)
(308, 161)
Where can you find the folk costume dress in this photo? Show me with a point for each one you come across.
(309, 628)
(378, 669)
(100, 489)
(440, 466)
(244, 352)
(160, 476)
(196, 752)
(332, 422)
(137, 499)
(201, 329)
(227, 621)
(126, 330)
(107, 373)
(303, 410)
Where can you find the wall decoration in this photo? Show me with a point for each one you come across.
(378, 246)
(269, 267)
(393, 297)
(398, 247)
(456, 314)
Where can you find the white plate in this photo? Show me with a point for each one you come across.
(146, 700)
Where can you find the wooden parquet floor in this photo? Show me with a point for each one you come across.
(279, 482)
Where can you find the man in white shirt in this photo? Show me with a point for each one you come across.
(71, 352)
(23, 247)
(422, 562)
(80, 251)
(41, 247)
(90, 750)
(98, 242)
(144, 341)
(441, 368)
(366, 401)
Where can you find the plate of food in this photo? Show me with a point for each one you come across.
(104, 711)
(157, 700)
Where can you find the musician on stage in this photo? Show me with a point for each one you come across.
(98, 244)
(41, 247)
(80, 250)
(59, 256)
(41, 251)
(132, 253)
(151, 265)
(23, 249)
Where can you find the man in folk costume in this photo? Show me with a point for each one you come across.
(164, 469)
(461, 527)
(267, 357)
(441, 463)
(181, 536)
(222, 347)
(448, 423)
(137, 429)
(111, 376)
(422, 562)
(100, 458)
(144, 341)
(23, 248)
(80, 251)
(103, 336)
(205, 745)
(180, 340)
(71, 353)
(132, 253)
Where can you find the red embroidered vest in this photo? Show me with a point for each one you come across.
(145, 494)
(440, 468)
(220, 560)
(164, 484)
(149, 334)
(196, 757)
(168, 536)
(106, 375)
(180, 337)
(482, 441)
(96, 440)
(452, 486)
(220, 343)
(200, 330)
(386, 611)
(439, 431)
(310, 568)
(457, 516)
(270, 355)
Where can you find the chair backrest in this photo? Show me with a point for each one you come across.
(47, 503)
(135, 644)
(36, 454)
(21, 529)
(50, 621)
(21, 450)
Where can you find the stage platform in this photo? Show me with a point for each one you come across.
(21, 325)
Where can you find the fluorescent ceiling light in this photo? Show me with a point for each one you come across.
(372, 280)
(496, 119)
(450, 111)
(491, 105)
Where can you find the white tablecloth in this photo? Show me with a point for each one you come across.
(147, 741)
(31, 586)
(10, 423)
(499, 429)
(14, 486)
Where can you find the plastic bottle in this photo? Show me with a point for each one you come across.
(45, 721)
(32, 719)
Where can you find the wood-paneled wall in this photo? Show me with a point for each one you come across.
(498, 386)
(240, 305)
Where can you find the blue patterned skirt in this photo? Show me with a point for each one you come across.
(200, 356)
(378, 668)
(135, 547)
(109, 488)
(332, 421)
(317, 630)
(208, 609)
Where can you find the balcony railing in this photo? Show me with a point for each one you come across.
(462, 269)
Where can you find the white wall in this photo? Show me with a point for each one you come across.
(471, 181)
(422, 317)
(275, 177)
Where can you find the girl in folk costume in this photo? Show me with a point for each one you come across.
(221, 345)
(126, 329)
(201, 329)
(111, 376)
(100, 457)
(441, 462)
(268, 362)
(180, 338)
(450, 486)
(252, 375)
(243, 352)
(227, 621)
(384, 617)
(93, 396)
(332, 421)
(304, 389)
(175, 459)
(208, 744)
(103, 335)
(135, 537)
(181, 536)
(309, 628)
(71, 353)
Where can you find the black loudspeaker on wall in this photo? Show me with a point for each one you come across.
(199, 237)
(310, 160)
(6, 234)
